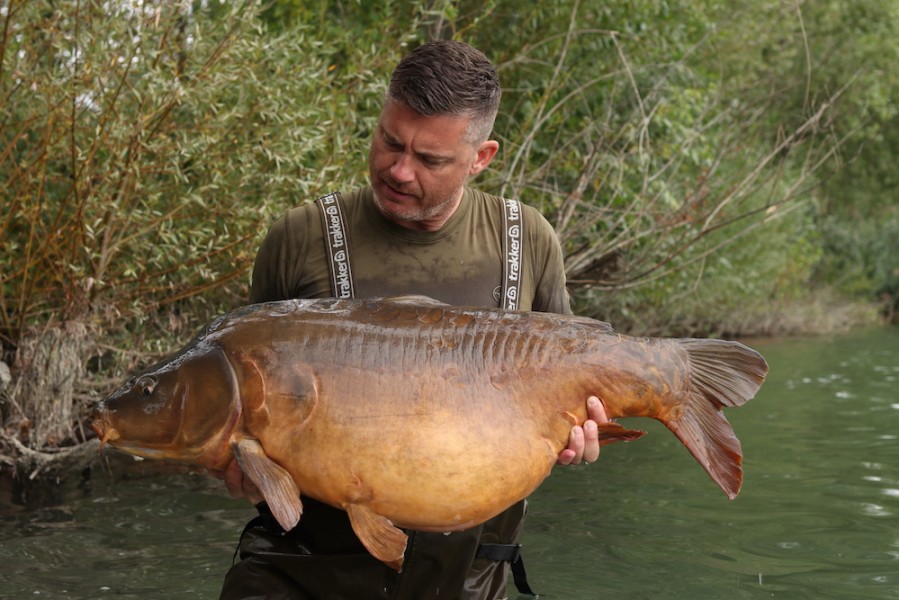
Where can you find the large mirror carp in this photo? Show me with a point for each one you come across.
(408, 413)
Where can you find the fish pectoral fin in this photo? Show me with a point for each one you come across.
(273, 481)
(264, 390)
(611, 432)
(298, 388)
(383, 539)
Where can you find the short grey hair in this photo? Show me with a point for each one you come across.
(450, 78)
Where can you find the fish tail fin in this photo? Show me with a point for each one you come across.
(722, 374)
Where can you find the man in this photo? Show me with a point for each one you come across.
(417, 229)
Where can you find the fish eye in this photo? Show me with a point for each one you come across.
(146, 385)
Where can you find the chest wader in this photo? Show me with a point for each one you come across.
(338, 252)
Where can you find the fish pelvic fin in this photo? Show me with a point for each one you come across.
(273, 481)
(379, 535)
(722, 374)
(611, 432)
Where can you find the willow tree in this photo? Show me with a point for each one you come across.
(144, 148)
(656, 137)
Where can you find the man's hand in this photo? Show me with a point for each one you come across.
(238, 486)
(583, 442)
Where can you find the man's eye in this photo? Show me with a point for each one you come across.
(433, 163)
(391, 143)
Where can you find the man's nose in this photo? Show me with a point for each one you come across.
(402, 169)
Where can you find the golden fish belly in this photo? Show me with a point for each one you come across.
(439, 459)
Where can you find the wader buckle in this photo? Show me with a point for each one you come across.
(500, 552)
(511, 553)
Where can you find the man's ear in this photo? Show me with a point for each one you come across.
(485, 154)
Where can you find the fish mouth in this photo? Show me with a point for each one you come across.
(105, 431)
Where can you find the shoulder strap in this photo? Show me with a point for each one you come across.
(337, 245)
(512, 250)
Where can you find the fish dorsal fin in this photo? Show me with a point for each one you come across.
(602, 326)
(380, 537)
(414, 300)
(275, 483)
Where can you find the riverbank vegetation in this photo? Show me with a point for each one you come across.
(711, 168)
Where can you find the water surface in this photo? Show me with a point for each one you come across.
(818, 517)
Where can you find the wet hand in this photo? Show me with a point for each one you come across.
(238, 485)
(583, 441)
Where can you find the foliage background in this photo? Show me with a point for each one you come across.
(712, 168)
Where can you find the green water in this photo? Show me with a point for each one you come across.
(818, 517)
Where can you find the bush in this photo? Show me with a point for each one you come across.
(860, 258)
(144, 149)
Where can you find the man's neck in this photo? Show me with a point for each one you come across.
(438, 220)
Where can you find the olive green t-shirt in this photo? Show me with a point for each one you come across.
(460, 264)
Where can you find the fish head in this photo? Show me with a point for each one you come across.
(182, 408)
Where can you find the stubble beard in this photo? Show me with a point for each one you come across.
(412, 214)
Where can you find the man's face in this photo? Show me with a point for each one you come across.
(418, 165)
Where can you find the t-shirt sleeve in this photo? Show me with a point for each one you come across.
(551, 293)
(266, 282)
(278, 268)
